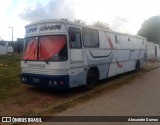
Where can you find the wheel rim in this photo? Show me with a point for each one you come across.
(137, 65)
(91, 79)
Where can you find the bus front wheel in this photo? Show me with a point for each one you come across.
(91, 79)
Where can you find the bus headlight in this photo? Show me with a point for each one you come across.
(61, 82)
(24, 79)
(55, 82)
(50, 82)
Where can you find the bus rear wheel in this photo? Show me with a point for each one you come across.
(138, 65)
(91, 79)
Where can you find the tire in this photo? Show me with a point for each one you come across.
(91, 79)
(137, 66)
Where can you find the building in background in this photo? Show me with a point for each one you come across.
(19, 45)
(8, 47)
(153, 51)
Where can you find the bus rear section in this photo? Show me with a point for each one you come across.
(45, 59)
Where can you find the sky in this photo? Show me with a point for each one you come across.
(124, 16)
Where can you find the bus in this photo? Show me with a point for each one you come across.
(61, 54)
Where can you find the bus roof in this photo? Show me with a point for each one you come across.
(65, 21)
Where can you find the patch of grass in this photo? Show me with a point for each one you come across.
(149, 68)
(11, 89)
(29, 113)
(9, 75)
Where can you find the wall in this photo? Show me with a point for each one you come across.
(151, 54)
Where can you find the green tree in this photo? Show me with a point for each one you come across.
(151, 29)
(100, 24)
(79, 21)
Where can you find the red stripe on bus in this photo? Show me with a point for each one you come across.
(109, 41)
(118, 64)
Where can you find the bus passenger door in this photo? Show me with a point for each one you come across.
(76, 54)
(77, 72)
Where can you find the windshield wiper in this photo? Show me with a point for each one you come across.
(46, 61)
(44, 58)
(29, 56)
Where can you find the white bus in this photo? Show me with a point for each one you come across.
(62, 54)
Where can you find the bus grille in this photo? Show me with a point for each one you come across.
(36, 65)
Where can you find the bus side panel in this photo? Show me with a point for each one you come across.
(77, 77)
(112, 70)
(100, 57)
(103, 71)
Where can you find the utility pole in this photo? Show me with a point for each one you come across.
(12, 32)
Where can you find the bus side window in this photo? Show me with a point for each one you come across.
(95, 38)
(90, 38)
(75, 38)
(116, 40)
(129, 39)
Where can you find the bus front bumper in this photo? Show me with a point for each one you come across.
(50, 81)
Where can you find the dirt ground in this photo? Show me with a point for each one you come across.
(141, 98)
(119, 101)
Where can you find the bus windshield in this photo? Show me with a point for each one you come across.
(45, 48)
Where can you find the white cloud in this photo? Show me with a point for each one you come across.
(9, 18)
(54, 9)
(18, 13)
